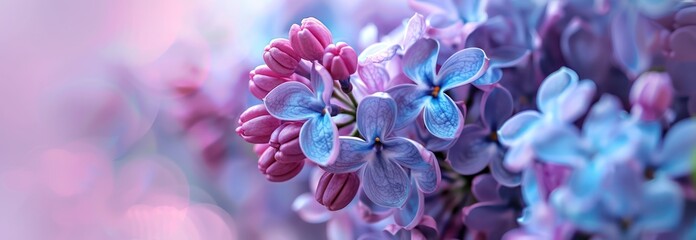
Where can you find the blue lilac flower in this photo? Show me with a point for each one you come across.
(294, 101)
(441, 115)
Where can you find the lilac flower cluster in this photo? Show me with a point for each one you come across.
(488, 120)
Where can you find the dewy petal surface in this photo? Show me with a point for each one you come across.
(419, 61)
(442, 117)
(319, 140)
(386, 183)
(461, 68)
(376, 116)
(292, 101)
(353, 154)
(410, 100)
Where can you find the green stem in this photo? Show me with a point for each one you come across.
(352, 99)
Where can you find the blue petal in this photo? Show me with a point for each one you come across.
(352, 155)
(662, 206)
(603, 119)
(386, 183)
(410, 214)
(507, 56)
(560, 144)
(679, 148)
(319, 140)
(410, 100)
(471, 153)
(531, 192)
(556, 84)
(575, 103)
(322, 82)
(621, 187)
(404, 152)
(292, 101)
(461, 68)
(419, 61)
(631, 38)
(429, 178)
(496, 106)
(518, 127)
(473, 11)
(490, 77)
(443, 118)
(376, 116)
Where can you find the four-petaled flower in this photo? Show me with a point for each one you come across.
(385, 162)
(293, 101)
(441, 116)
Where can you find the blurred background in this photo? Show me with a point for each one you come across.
(118, 116)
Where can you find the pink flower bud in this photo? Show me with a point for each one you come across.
(286, 140)
(310, 39)
(651, 95)
(341, 60)
(256, 125)
(262, 80)
(281, 57)
(336, 191)
(276, 171)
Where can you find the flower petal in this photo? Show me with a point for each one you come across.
(485, 188)
(309, 209)
(461, 68)
(501, 173)
(575, 103)
(491, 218)
(374, 76)
(442, 117)
(556, 84)
(490, 77)
(353, 153)
(376, 116)
(507, 56)
(410, 100)
(471, 153)
(322, 82)
(496, 106)
(410, 214)
(603, 119)
(319, 140)
(378, 53)
(662, 207)
(678, 148)
(631, 39)
(519, 156)
(428, 179)
(292, 101)
(517, 127)
(419, 61)
(386, 183)
(415, 29)
(559, 144)
(404, 152)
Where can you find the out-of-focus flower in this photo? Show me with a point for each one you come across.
(337, 190)
(281, 57)
(652, 95)
(681, 54)
(341, 60)
(496, 211)
(310, 38)
(380, 158)
(256, 125)
(425, 229)
(441, 115)
(561, 99)
(293, 101)
(478, 147)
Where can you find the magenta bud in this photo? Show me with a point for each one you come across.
(286, 138)
(310, 38)
(341, 60)
(276, 171)
(256, 125)
(262, 80)
(281, 57)
(651, 95)
(337, 190)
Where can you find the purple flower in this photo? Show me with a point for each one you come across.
(310, 39)
(497, 208)
(293, 101)
(651, 95)
(256, 125)
(341, 60)
(384, 161)
(280, 57)
(441, 115)
(336, 190)
(478, 146)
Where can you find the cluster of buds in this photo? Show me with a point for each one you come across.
(277, 142)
